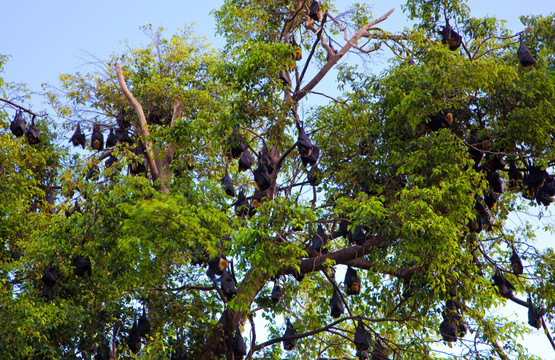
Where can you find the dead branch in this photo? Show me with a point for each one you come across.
(143, 127)
(333, 59)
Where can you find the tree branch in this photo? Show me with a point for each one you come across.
(21, 107)
(143, 127)
(333, 59)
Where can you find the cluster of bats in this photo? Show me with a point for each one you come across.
(451, 38)
(82, 266)
(237, 149)
(18, 127)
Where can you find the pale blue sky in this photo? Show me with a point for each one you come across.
(45, 38)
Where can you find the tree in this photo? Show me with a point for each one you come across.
(413, 175)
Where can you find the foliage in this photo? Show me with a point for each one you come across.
(413, 188)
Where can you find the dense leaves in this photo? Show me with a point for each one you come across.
(378, 222)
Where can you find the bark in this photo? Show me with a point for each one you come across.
(142, 127)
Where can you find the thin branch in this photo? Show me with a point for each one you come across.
(548, 334)
(143, 127)
(333, 59)
(312, 51)
(21, 107)
(188, 287)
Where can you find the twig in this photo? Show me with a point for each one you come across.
(335, 58)
(21, 107)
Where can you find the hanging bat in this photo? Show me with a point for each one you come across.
(504, 286)
(277, 294)
(78, 138)
(303, 143)
(534, 319)
(516, 264)
(261, 177)
(97, 139)
(289, 344)
(448, 329)
(82, 265)
(363, 339)
(216, 266)
(315, 12)
(439, 120)
(246, 161)
(143, 325)
(494, 181)
(450, 37)
(134, 339)
(357, 235)
(319, 239)
(121, 120)
(235, 145)
(32, 133)
(111, 141)
(239, 346)
(123, 136)
(241, 205)
(379, 351)
(228, 285)
(227, 184)
(352, 282)
(491, 199)
(311, 159)
(337, 308)
(17, 126)
(524, 55)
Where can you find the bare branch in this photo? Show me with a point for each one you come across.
(21, 107)
(333, 59)
(143, 127)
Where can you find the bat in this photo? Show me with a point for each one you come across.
(97, 139)
(289, 344)
(363, 339)
(352, 282)
(516, 264)
(319, 239)
(239, 346)
(143, 325)
(246, 161)
(78, 138)
(303, 143)
(17, 126)
(227, 185)
(524, 55)
(32, 133)
(450, 37)
(134, 338)
(337, 308)
(81, 265)
(277, 294)
(315, 13)
(228, 285)
(112, 140)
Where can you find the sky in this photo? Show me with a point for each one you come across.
(46, 38)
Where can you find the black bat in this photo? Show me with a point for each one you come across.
(78, 138)
(97, 139)
(524, 55)
(450, 37)
(17, 126)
